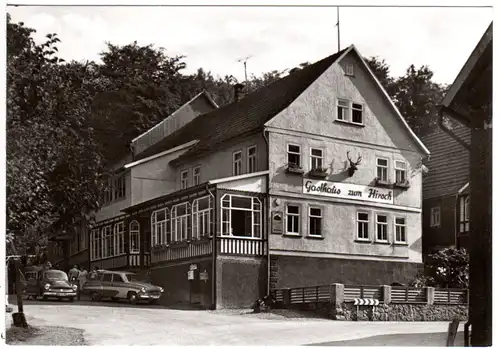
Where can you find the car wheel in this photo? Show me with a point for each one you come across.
(95, 296)
(132, 297)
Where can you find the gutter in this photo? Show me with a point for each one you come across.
(268, 204)
(457, 116)
(214, 248)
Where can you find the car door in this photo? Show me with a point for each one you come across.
(119, 286)
(107, 285)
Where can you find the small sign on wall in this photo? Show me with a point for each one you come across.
(193, 267)
(204, 275)
(277, 222)
(191, 275)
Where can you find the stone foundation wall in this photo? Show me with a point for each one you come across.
(396, 312)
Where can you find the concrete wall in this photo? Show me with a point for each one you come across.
(240, 281)
(444, 235)
(340, 231)
(178, 289)
(220, 163)
(294, 271)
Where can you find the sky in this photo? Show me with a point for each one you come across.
(276, 38)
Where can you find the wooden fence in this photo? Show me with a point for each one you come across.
(384, 294)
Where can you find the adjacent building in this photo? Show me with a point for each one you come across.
(313, 179)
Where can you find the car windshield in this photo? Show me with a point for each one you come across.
(135, 278)
(56, 275)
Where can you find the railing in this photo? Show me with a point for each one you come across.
(384, 294)
(134, 260)
(241, 246)
(182, 251)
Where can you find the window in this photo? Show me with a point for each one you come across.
(400, 227)
(357, 113)
(160, 227)
(381, 228)
(196, 175)
(184, 179)
(293, 152)
(202, 211)
(362, 225)
(316, 158)
(108, 192)
(315, 221)
(252, 159)
(349, 69)
(400, 171)
(382, 169)
(94, 244)
(181, 224)
(134, 237)
(237, 163)
(241, 216)
(119, 239)
(293, 219)
(435, 216)
(342, 109)
(108, 248)
(108, 277)
(119, 187)
(464, 214)
(118, 278)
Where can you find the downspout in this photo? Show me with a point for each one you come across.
(214, 246)
(268, 209)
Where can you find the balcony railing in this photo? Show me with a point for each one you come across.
(182, 250)
(241, 246)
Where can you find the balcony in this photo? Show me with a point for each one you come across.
(241, 246)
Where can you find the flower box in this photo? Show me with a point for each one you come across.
(320, 173)
(382, 183)
(402, 185)
(294, 169)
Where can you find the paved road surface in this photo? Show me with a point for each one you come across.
(121, 324)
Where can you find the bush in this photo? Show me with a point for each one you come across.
(446, 268)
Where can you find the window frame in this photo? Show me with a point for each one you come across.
(315, 157)
(119, 238)
(366, 224)
(404, 226)
(251, 158)
(400, 169)
(298, 215)
(310, 216)
(134, 232)
(255, 212)
(184, 220)
(346, 109)
(166, 230)
(299, 153)
(196, 176)
(379, 166)
(362, 110)
(464, 215)
(349, 69)
(119, 187)
(237, 163)
(435, 223)
(196, 214)
(385, 224)
(184, 181)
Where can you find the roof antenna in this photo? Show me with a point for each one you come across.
(338, 29)
(244, 60)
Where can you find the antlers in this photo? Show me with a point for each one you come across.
(354, 163)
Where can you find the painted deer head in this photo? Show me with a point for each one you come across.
(353, 166)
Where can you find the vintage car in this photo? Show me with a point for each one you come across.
(47, 283)
(121, 285)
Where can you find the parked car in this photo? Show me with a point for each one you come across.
(47, 283)
(121, 285)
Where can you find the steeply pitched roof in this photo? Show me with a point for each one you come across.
(448, 165)
(243, 117)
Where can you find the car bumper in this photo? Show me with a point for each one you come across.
(148, 296)
(59, 294)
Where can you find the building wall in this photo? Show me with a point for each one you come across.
(240, 281)
(295, 271)
(173, 278)
(220, 164)
(444, 235)
(114, 209)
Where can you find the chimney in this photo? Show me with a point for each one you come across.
(238, 92)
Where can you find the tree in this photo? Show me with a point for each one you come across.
(417, 97)
(448, 267)
(381, 70)
(53, 165)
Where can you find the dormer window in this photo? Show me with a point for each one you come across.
(349, 69)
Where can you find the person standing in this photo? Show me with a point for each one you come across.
(82, 278)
